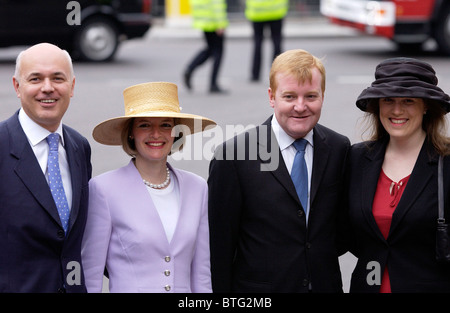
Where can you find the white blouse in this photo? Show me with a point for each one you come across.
(167, 203)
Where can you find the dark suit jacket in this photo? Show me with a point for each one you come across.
(409, 251)
(35, 255)
(259, 239)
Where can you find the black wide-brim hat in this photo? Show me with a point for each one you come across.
(404, 78)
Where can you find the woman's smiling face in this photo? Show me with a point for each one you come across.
(402, 117)
(153, 137)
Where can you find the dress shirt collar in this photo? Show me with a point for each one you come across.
(34, 132)
(284, 140)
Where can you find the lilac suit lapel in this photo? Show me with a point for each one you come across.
(186, 205)
(142, 204)
(175, 242)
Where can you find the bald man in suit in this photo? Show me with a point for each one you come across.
(40, 253)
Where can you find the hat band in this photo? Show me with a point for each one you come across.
(142, 107)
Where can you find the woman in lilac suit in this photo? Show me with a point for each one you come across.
(148, 222)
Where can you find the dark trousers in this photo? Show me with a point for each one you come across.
(213, 49)
(258, 37)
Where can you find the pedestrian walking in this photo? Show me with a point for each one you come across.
(210, 16)
(265, 14)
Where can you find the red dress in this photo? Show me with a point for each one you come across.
(386, 198)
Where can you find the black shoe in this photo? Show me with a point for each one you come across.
(187, 79)
(216, 89)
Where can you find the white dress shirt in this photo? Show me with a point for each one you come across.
(288, 151)
(36, 136)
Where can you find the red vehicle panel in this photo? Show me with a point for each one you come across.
(408, 23)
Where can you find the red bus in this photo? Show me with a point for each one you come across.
(408, 23)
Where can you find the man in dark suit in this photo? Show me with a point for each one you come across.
(262, 238)
(38, 254)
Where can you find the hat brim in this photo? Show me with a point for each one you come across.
(109, 132)
(413, 90)
(404, 78)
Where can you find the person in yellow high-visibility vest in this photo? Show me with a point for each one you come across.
(211, 17)
(265, 13)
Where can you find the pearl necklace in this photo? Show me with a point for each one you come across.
(159, 186)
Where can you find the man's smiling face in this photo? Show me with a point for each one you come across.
(45, 84)
(297, 105)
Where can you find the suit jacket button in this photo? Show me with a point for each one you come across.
(61, 233)
(300, 213)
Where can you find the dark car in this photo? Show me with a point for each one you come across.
(89, 29)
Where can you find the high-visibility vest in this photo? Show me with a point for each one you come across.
(266, 10)
(209, 15)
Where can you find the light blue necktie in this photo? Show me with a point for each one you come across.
(299, 173)
(55, 181)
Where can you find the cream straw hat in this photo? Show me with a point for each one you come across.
(155, 99)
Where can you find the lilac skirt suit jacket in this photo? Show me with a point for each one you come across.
(125, 234)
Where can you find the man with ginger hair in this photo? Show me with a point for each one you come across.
(267, 234)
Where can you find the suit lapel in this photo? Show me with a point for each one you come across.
(146, 209)
(28, 170)
(321, 155)
(178, 241)
(421, 175)
(268, 146)
(75, 172)
(370, 172)
(320, 160)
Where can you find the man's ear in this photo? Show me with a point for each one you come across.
(16, 86)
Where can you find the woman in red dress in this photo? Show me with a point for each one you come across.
(392, 189)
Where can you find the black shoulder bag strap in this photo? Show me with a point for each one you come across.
(442, 237)
(441, 218)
